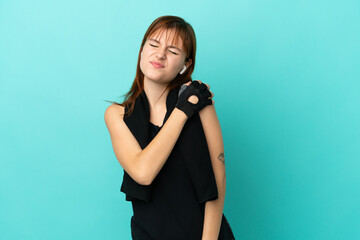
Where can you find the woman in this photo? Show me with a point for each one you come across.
(176, 190)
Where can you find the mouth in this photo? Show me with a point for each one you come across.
(157, 64)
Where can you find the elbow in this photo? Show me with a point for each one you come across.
(142, 175)
(146, 182)
(143, 179)
(141, 172)
(139, 178)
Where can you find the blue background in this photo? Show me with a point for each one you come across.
(286, 80)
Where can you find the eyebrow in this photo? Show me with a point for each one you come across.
(169, 46)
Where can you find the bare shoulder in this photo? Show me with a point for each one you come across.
(114, 112)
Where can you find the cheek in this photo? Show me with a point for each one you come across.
(142, 61)
(179, 65)
(144, 56)
(173, 61)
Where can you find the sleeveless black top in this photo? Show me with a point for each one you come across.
(174, 211)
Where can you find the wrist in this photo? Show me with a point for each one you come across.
(180, 114)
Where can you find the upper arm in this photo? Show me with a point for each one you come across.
(125, 145)
(214, 139)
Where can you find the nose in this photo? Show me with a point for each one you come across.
(161, 53)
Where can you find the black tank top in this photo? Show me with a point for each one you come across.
(174, 211)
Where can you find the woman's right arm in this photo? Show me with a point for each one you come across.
(142, 165)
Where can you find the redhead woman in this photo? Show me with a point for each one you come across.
(168, 140)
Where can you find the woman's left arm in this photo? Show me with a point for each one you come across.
(214, 139)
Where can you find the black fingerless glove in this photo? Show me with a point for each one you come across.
(197, 89)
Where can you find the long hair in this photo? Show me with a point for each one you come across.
(184, 32)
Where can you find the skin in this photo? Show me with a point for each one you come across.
(214, 209)
(143, 165)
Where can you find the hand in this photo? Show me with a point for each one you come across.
(193, 96)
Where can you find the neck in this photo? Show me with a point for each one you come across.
(156, 95)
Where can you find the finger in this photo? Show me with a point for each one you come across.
(195, 83)
(207, 85)
(212, 94)
(209, 102)
(207, 94)
(203, 87)
(188, 82)
(200, 82)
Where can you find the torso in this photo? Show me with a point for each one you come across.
(174, 211)
(157, 118)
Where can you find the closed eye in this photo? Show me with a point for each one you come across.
(169, 50)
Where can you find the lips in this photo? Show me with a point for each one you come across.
(157, 64)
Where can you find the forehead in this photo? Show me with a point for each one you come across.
(167, 36)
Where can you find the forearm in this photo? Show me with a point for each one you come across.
(213, 214)
(152, 158)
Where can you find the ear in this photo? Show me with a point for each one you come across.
(188, 63)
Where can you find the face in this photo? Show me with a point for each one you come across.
(160, 61)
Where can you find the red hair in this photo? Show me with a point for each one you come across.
(184, 32)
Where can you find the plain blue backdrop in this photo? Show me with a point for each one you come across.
(285, 75)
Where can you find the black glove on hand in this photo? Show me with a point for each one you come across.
(197, 89)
